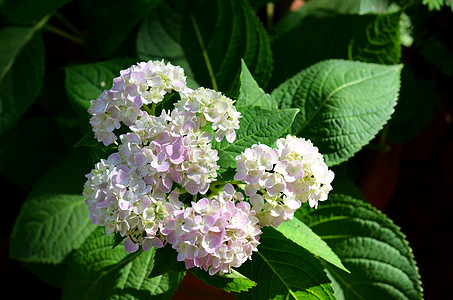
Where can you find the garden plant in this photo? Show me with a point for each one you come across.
(211, 137)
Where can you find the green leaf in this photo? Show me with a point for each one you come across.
(437, 53)
(437, 4)
(382, 42)
(327, 8)
(29, 11)
(369, 245)
(343, 104)
(414, 110)
(302, 235)
(284, 270)
(368, 38)
(250, 93)
(257, 125)
(48, 149)
(87, 81)
(110, 21)
(54, 220)
(209, 39)
(96, 271)
(21, 71)
(49, 227)
(232, 282)
(165, 261)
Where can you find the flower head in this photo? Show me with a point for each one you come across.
(141, 84)
(214, 235)
(279, 180)
(121, 199)
(215, 108)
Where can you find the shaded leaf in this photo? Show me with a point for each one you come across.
(22, 65)
(327, 8)
(368, 38)
(208, 39)
(369, 245)
(54, 220)
(29, 11)
(110, 21)
(414, 110)
(48, 149)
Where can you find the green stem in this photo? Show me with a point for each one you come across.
(63, 34)
(68, 24)
(151, 111)
(205, 53)
(41, 23)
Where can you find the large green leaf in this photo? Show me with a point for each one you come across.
(301, 234)
(257, 125)
(48, 149)
(368, 38)
(284, 270)
(343, 104)
(22, 65)
(369, 245)
(96, 271)
(49, 227)
(326, 8)
(54, 220)
(414, 110)
(29, 11)
(209, 39)
(110, 21)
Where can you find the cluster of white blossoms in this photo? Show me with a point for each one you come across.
(141, 84)
(279, 180)
(136, 191)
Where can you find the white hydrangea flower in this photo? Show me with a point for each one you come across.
(215, 108)
(120, 199)
(279, 180)
(141, 84)
(214, 235)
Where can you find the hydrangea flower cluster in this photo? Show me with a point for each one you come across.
(214, 234)
(119, 198)
(279, 180)
(136, 191)
(141, 84)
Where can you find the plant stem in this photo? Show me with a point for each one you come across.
(63, 34)
(205, 53)
(68, 24)
(151, 110)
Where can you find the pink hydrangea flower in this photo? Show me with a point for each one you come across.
(214, 235)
